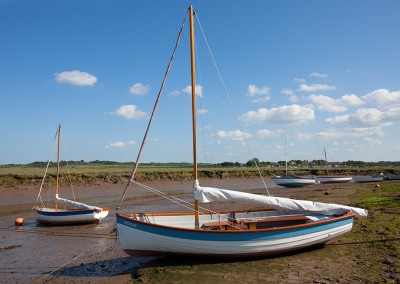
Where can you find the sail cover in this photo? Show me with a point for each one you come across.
(78, 204)
(209, 194)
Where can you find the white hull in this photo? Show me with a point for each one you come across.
(69, 216)
(329, 179)
(293, 181)
(145, 238)
(368, 179)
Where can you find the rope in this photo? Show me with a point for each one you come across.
(71, 260)
(69, 172)
(45, 173)
(152, 115)
(231, 104)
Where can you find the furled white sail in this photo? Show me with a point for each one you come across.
(209, 194)
(77, 204)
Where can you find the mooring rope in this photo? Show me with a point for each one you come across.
(71, 260)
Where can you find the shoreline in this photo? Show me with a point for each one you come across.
(88, 254)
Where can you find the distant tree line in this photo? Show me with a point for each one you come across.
(249, 163)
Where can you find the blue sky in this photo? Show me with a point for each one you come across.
(326, 71)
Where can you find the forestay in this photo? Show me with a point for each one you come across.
(209, 194)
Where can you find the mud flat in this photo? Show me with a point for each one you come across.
(90, 254)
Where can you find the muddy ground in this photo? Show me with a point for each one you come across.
(91, 253)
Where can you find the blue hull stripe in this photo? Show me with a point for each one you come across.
(64, 213)
(232, 235)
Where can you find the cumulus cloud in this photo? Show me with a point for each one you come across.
(372, 141)
(265, 133)
(198, 89)
(232, 135)
(119, 144)
(253, 90)
(367, 117)
(319, 75)
(335, 105)
(287, 91)
(76, 78)
(383, 98)
(355, 132)
(130, 112)
(139, 89)
(283, 114)
(259, 95)
(315, 87)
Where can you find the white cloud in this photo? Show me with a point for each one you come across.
(76, 77)
(265, 133)
(363, 116)
(350, 133)
(283, 114)
(294, 99)
(130, 112)
(338, 119)
(368, 116)
(320, 75)
(372, 141)
(315, 87)
(198, 89)
(174, 93)
(202, 111)
(119, 144)
(383, 98)
(335, 105)
(287, 91)
(261, 100)
(232, 135)
(253, 90)
(139, 89)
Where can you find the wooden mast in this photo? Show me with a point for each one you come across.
(58, 163)
(192, 60)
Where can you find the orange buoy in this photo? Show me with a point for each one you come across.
(19, 221)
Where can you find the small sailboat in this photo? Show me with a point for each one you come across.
(66, 211)
(285, 225)
(291, 180)
(332, 179)
(377, 178)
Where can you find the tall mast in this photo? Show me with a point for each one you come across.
(285, 154)
(192, 61)
(58, 162)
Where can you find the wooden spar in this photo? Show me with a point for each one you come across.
(192, 57)
(58, 162)
(285, 154)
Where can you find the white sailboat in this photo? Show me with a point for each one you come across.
(332, 179)
(67, 211)
(291, 180)
(286, 225)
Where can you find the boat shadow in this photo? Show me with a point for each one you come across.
(201, 260)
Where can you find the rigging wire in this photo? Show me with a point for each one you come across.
(200, 103)
(69, 173)
(45, 173)
(231, 104)
(152, 116)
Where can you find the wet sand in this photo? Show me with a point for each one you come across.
(89, 253)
